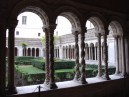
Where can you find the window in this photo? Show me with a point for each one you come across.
(17, 32)
(39, 34)
(24, 19)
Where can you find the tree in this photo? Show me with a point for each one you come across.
(44, 39)
(24, 45)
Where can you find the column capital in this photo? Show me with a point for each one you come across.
(75, 32)
(49, 28)
(105, 32)
(98, 34)
(83, 29)
(45, 29)
(115, 35)
(12, 23)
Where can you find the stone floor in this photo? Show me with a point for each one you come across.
(65, 84)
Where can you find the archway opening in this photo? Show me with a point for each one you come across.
(67, 23)
(28, 35)
(115, 46)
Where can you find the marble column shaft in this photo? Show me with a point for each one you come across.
(99, 55)
(83, 64)
(105, 51)
(77, 72)
(47, 77)
(51, 53)
(116, 54)
(123, 56)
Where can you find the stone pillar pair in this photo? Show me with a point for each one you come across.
(123, 45)
(116, 54)
(105, 51)
(121, 62)
(49, 65)
(98, 35)
(77, 77)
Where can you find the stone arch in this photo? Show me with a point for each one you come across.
(33, 52)
(98, 21)
(29, 51)
(116, 25)
(72, 15)
(36, 7)
(37, 52)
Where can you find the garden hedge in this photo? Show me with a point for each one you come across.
(60, 64)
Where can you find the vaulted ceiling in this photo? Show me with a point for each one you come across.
(115, 5)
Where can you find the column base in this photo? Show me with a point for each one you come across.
(99, 75)
(117, 73)
(53, 86)
(46, 84)
(83, 81)
(106, 77)
(76, 78)
(11, 90)
(125, 75)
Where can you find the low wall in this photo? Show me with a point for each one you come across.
(112, 88)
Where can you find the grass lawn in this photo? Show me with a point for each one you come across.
(29, 69)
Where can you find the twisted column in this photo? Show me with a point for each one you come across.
(2, 59)
(106, 76)
(51, 53)
(77, 72)
(11, 45)
(99, 55)
(47, 77)
(83, 64)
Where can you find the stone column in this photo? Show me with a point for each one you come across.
(51, 53)
(99, 55)
(127, 55)
(89, 53)
(120, 53)
(83, 64)
(47, 77)
(105, 51)
(77, 72)
(116, 54)
(2, 58)
(11, 45)
(26, 51)
(61, 52)
(31, 52)
(123, 57)
(95, 52)
(73, 53)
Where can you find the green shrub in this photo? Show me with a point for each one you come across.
(58, 64)
(38, 63)
(23, 60)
